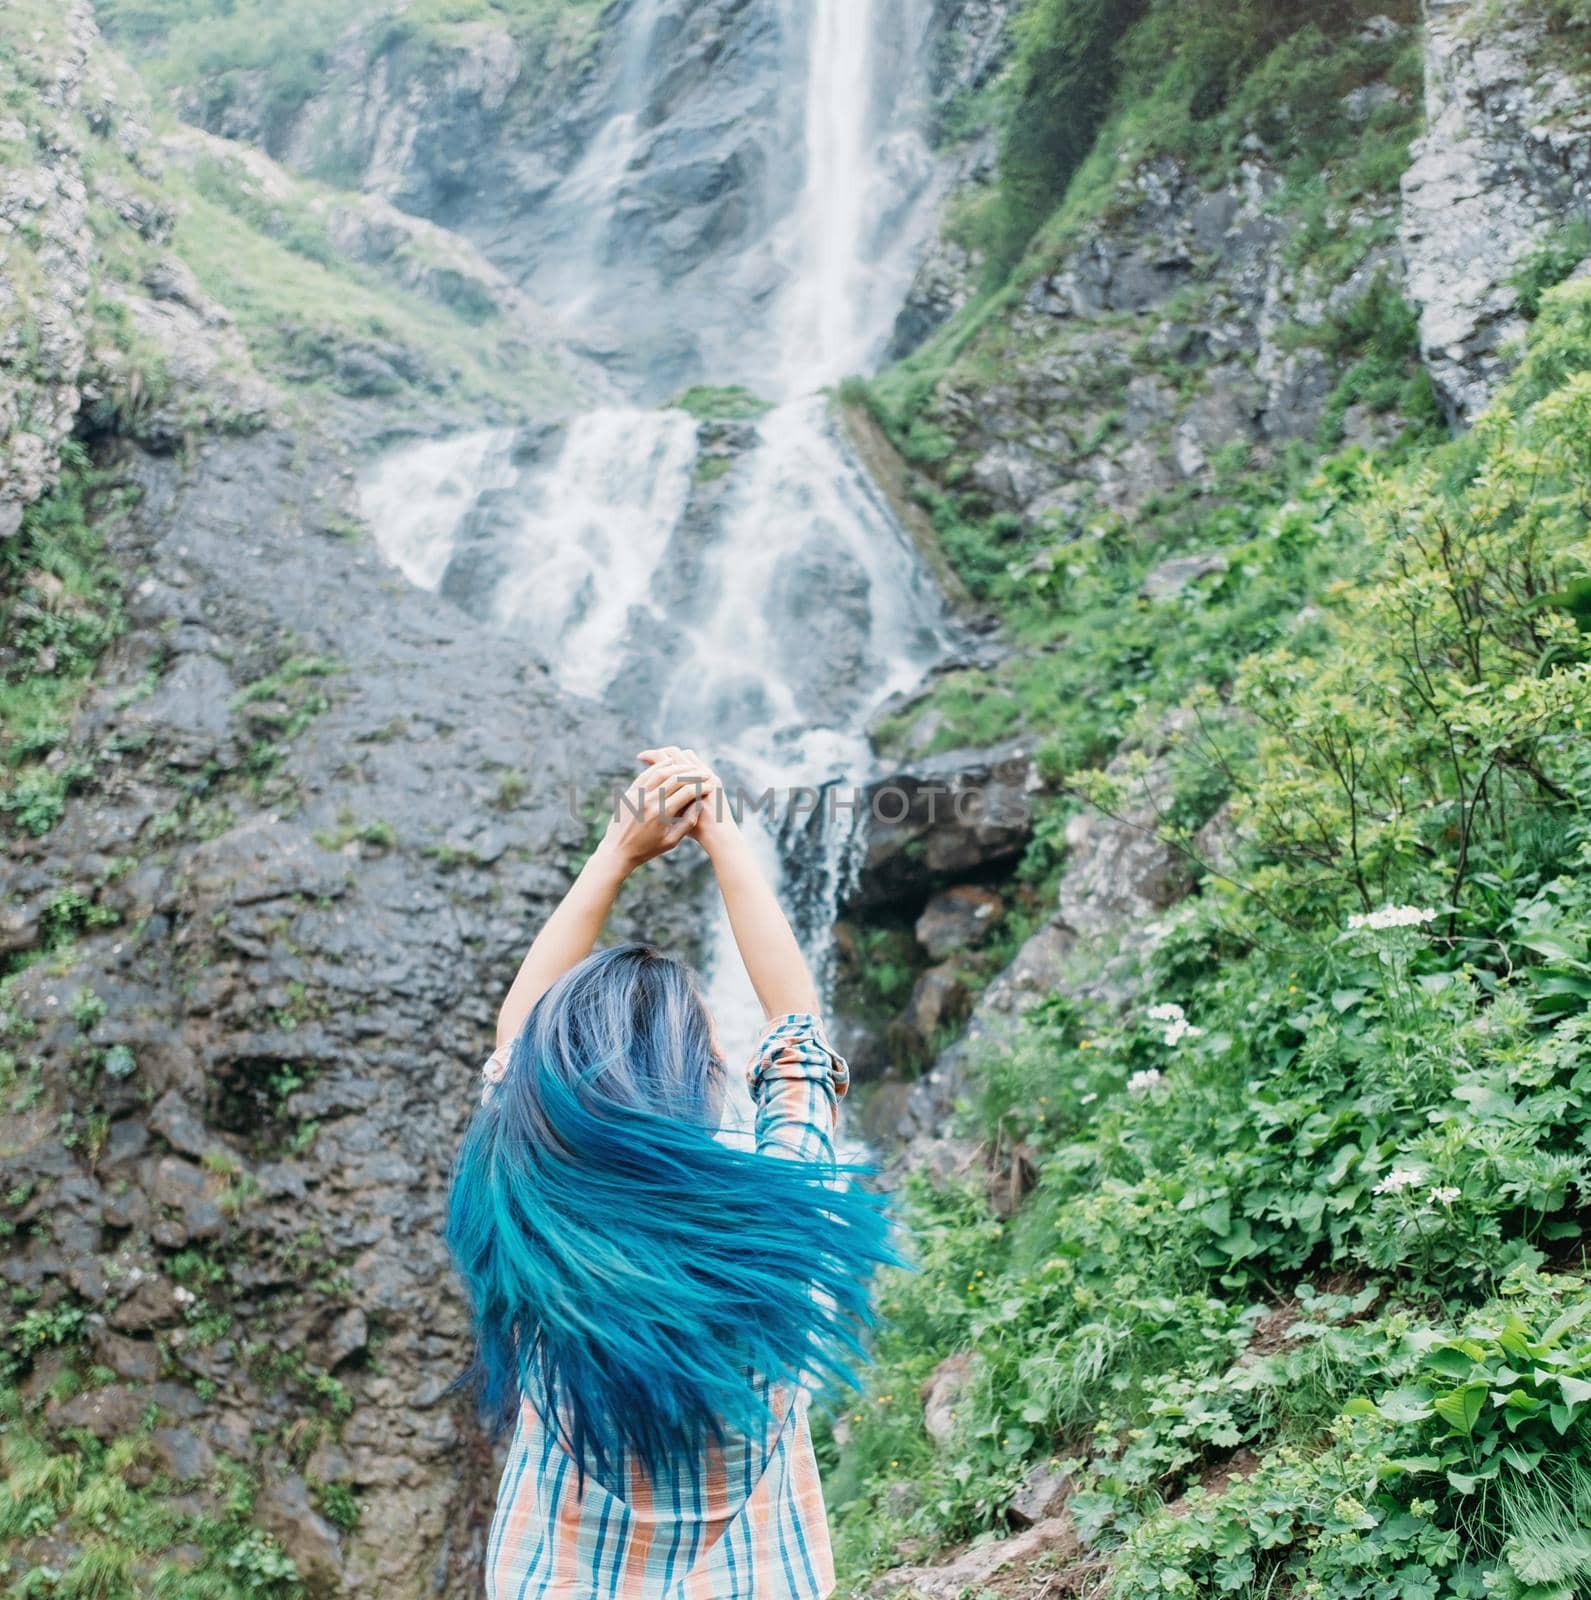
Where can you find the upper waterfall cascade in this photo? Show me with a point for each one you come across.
(761, 621)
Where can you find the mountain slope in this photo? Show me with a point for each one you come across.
(1290, 1066)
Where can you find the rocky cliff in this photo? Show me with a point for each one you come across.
(270, 855)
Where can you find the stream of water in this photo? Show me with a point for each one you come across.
(761, 623)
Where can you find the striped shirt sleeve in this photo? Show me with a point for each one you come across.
(797, 1081)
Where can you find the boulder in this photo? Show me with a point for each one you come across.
(182, 1454)
(283, 1508)
(942, 1392)
(1037, 1553)
(1171, 577)
(114, 1412)
(939, 1000)
(958, 918)
(1043, 1493)
(944, 818)
(1120, 870)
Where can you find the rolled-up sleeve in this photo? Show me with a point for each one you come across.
(797, 1081)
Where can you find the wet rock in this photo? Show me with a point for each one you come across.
(939, 1000)
(932, 1099)
(114, 1412)
(137, 1360)
(283, 1508)
(946, 817)
(958, 918)
(192, 1193)
(182, 1454)
(349, 1335)
(189, 716)
(179, 1125)
(943, 284)
(152, 1304)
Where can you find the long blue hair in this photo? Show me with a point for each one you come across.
(640, 1282)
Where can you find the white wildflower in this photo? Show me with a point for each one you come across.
(1177, 1026)
(1444, 1194)
(1390, 917)
(183, 1297)
(1399, 1179)
(1149, 1079)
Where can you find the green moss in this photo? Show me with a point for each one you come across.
(733, 403)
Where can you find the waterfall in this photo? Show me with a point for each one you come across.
(762, 621)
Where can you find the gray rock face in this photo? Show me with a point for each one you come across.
(959, 918)
(43, 347)
(1505, 157)
(304, 995)
(944, 818)
(320, 814)
(1120, 876)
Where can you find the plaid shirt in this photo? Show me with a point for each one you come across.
(744, 1522)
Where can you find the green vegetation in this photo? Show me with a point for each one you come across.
(130, 1534)
(732, 403)
(1091, 85)
(321, 320)
(1305, 1255)
(1551, 262)
(60, 606)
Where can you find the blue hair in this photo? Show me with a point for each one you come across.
(640, 1282)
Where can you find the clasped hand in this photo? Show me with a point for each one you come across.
(677, 796)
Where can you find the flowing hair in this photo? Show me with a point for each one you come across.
(644, 1285)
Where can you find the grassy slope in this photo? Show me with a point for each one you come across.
(1256, 1240)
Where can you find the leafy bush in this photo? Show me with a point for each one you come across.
(1551, 262)
(1359, 1078)
(1061, 81)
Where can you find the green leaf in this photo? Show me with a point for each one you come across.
(1555, 946)
(1575, 1390)
(1408, 1404)
(1461, 1407)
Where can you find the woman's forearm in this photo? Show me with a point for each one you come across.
(566, 939)
(656, 812)
(778, 971)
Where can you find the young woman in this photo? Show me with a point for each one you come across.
(652, 1306)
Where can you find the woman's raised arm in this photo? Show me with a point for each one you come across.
(657, 811)
(778, 971)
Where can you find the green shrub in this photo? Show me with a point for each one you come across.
(1564, 249)
(1358, 1076)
